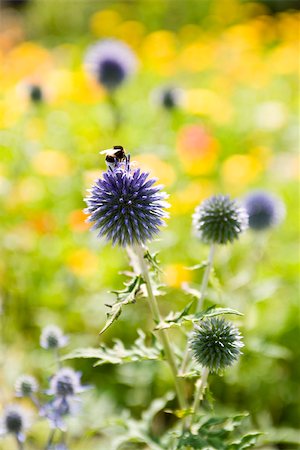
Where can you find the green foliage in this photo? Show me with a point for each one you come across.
(126, 296)
(119, 354)
(218, 433)
(177, 319)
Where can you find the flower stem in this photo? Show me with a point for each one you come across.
(200, 388)
(169, 354)
(186, 355)
(50, 439)
(115, 111)
(20, 444)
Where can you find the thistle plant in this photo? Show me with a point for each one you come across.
(128, 209)
(53, 404)
(15, 422)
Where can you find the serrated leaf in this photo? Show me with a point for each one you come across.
(202, 265)
(217, 433)
(153, 261)
(247, 441)
(124, 297)
(119, 354)
(181, 318)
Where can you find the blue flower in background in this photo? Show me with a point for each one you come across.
(125, 206)
(14, 421)
(111, 62)
(65, 383)
(265, 210)
(52, 337)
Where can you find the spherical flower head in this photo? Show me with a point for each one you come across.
(26, 386)
(169, 98)
(216, 344)
(125, 206)
(219, 220)
(111, 62)
(14, 421)
(52, 338)
(65, 383)
(265, 210)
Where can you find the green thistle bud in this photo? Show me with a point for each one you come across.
(216, 344)
(219, 220)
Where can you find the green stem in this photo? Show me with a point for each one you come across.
(186, 355)
(20, 444)
(50, 439)
(115, 111)
(169, 354)
(200, 388)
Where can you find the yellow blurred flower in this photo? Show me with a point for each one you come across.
(176, 274)
(105, 23)
(239, 171)
(197, 150)
(28, 59)
(284, 59)
(159, 52)
(196, 56)
(52, 163)
(185, 200)
(208, 103)
(158, 168)
(131, 32)
(82, 262)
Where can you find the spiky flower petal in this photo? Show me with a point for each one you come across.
(216, 344)
(265, 210)
(219, 220)
(52, 337)
(125, 206)
(25, 386)
(111, 62)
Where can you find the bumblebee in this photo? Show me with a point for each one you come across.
(114, 155)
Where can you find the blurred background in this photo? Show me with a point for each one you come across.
(234, 129)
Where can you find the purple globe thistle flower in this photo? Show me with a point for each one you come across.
(265, 210)
(219, 220)
(66, 383)
(125, 206)
(53, 338)
(111, 62)
(26, 386)
(216, 344)
(14, 421)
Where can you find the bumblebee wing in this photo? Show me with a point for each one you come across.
(105, 152)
